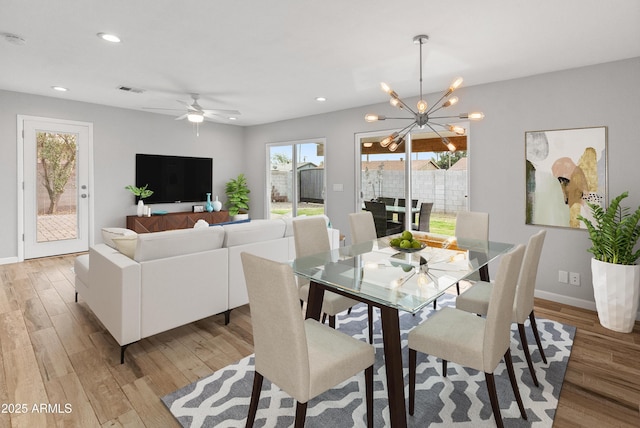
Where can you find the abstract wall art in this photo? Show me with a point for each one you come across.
(565, 169)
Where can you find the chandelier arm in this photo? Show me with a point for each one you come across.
(446, 117)
(405, 105)
(443, 139)
(445, 95)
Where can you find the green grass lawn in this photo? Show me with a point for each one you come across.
(442, 224)
(301, 211)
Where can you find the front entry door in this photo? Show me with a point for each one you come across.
(56, 208)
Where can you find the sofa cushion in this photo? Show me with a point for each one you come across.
(126, 244)
(254, 231)
(170, 243)
(108, 233)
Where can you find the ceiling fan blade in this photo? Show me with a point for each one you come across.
(167, 109)
(184, 116)
(188, 105)
(217, 111)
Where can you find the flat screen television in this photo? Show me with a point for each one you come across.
(174, 178)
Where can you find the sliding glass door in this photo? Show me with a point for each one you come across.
(422, 170)
(296, 178)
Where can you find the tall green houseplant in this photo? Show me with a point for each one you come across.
(615, 232)
(237, 193)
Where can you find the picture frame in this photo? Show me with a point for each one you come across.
(565, 169)
(198, 208)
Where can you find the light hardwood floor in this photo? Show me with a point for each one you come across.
(54, 353)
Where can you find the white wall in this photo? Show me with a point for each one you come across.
(118, 135)
(600, 95)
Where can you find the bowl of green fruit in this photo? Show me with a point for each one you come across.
(405, 243)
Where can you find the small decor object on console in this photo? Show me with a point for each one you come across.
(217, 205)
(141, 193)
(209, 205)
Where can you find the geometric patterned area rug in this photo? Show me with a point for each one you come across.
(460, 399)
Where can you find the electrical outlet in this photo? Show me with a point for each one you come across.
(574, 278)
(563, 276)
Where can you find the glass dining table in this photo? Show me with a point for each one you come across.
(394, 279)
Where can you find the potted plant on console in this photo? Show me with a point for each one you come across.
(237, 193)
(614, 234)
(141, 193)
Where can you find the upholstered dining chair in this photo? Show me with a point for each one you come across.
(424, 218)
(310, 237)
(302, 357)
(476, 299)
(471, 225)
(479, 343)
(363, 229)
(384, 227)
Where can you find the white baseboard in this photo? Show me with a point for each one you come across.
(9, 260)
(571, 301)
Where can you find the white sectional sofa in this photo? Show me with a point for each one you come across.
(176, 277)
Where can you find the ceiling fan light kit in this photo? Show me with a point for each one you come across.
(423, 116)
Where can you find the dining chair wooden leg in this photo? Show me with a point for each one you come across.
(368, 381)
(332, 321)
(255, 398)
(324, 318)
(493, 396)
(514, 383)
(412, 380)
(434, 304)
(458, 288)
(370, 321)
(444, 368)
(532, 320)
(301, 414)
(527, 354)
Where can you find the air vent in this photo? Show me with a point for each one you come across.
(130, 89)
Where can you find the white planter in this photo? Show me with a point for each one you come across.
(616, 289)
(240, 216)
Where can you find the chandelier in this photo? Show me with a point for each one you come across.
(423, 117)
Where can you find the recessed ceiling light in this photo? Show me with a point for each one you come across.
(109, 37)
(59, 88)
(233, 118)
(321, 99)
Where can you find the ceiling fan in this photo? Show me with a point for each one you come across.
(195, 113)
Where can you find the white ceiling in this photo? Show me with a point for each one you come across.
(270, 59)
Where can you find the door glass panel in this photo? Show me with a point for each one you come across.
(280, 181)
(310, 178)
(56, 186)
(296, 179)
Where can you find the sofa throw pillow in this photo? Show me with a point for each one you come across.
(108, 233)
(126, 244)
(200, 223)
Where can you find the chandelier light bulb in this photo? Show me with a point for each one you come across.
(456, 84)
(395, 102)
(451, 101)
(478, 115)
(422, 106)
(367, 144)
(393, 146)
(385, 87)
(373, 117)
(451, 147)
(457, 129)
